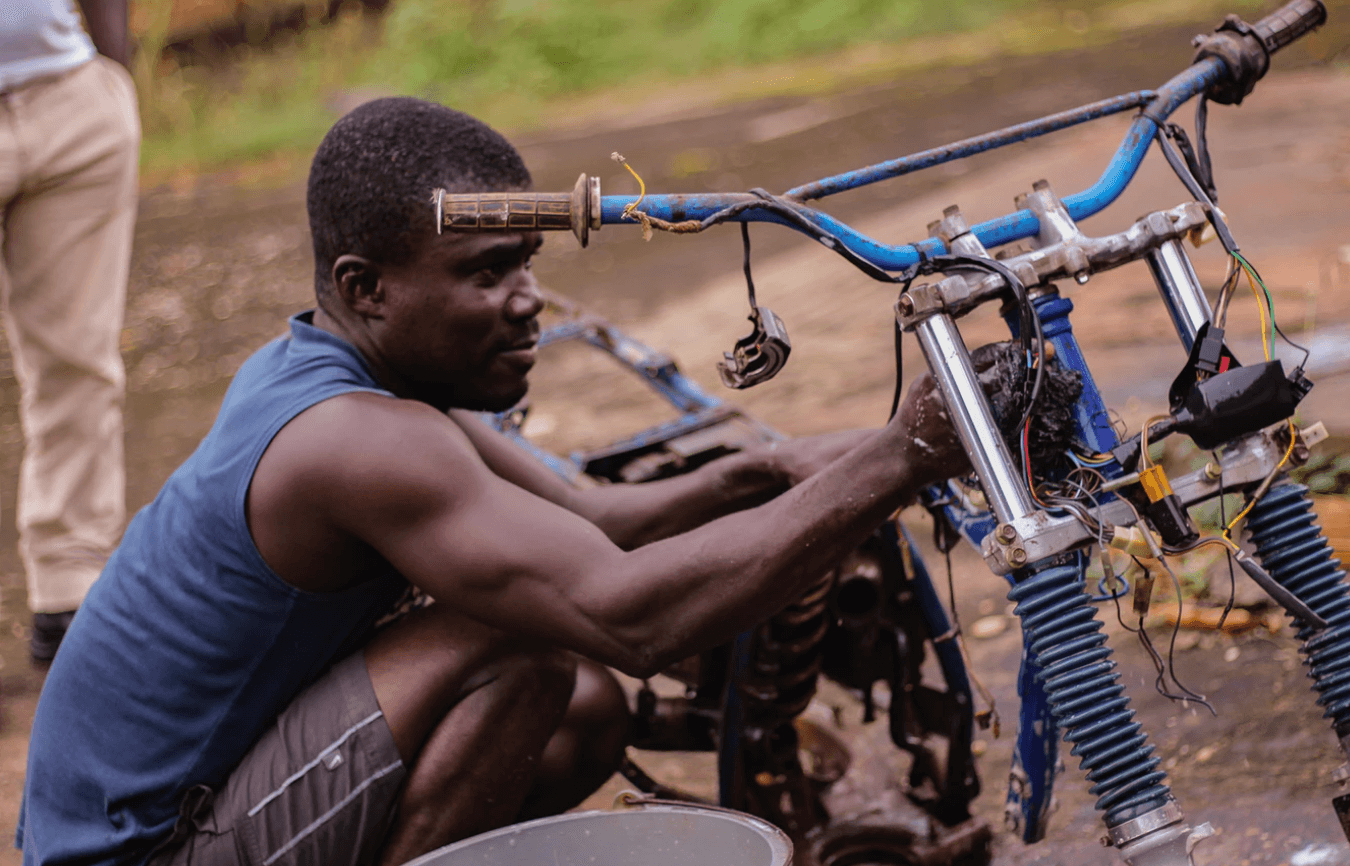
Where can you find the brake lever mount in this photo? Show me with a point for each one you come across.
(759, 356)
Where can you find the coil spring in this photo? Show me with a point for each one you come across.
(787, 657)
(1290, 544)
(1086, 698)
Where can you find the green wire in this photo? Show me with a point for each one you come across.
(1270, 302)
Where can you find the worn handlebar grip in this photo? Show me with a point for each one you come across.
(1289, 22)
(578, 210)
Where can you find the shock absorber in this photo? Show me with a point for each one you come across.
(1291, 546)
(1089, 704)
(785, 662)
(758, 759)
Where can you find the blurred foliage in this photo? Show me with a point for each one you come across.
(1328, 470)
(469, 50)
(508, 61)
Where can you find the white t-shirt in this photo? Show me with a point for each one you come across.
(39, 37)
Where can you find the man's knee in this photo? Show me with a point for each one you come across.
(428, 663)
(598, 716)
(546, 673)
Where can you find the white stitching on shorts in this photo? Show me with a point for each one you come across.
(312, 764)
(331, 812)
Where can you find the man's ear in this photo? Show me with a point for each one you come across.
(356, 281)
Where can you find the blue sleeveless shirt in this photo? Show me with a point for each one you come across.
(189, 645)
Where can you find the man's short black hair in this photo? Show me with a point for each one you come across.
(371, 181)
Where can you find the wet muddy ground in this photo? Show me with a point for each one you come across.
(216, 271)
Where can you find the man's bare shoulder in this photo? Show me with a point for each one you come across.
(343, 471)
(369, 442)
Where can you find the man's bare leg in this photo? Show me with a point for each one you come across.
(588, 747)
(471, 711)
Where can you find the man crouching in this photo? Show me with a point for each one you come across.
(223, 696)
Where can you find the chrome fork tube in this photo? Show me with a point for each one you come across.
(1180, 289)
(960, 386)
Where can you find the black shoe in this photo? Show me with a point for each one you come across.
(48, 630)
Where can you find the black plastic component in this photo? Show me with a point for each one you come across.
(1300, 383)
(1172, 522)
(1232, 404)
(759, 356)
(1209, 355)
(1189, 375)
(1245, 49)
(1127, 453)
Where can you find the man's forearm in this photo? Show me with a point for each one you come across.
(107, 23)
(683, 594)
(632, 515)
(636, 514)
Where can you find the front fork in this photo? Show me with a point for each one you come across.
(1069, 680)
(1289, 542)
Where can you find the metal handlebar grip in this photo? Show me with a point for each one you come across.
(578, 210)
(1289, 22)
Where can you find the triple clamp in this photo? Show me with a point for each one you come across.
(920, 302)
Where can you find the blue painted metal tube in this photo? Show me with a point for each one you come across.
(656, 367)
(992, 233)
(968, 146)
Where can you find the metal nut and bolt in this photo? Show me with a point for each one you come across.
(1213, 471)
(1006, 532)
(1017, 556)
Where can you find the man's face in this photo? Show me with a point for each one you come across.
(460, 323)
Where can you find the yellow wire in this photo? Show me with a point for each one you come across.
(1261, 308)
(1143, 440)
(642, 187)
(1228, 530)
(1221, 540)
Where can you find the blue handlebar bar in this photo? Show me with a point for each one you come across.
(1157, 106)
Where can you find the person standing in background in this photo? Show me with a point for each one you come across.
(69, 142)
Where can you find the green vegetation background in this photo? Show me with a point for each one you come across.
(522, 64)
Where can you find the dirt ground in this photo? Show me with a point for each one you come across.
(216, 271)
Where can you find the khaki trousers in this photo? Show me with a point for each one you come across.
(68, 154)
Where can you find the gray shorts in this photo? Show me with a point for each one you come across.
(319, 787)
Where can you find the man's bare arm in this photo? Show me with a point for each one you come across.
(400, 478)
(632, 515)
(107, 23)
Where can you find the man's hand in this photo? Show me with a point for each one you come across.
(925, 433)
(795, 460)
